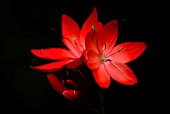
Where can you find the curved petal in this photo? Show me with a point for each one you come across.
(71, 94)
(52, 53)
(102, 77)
(120, 72)
(69, 27)
(87, 26)
(91, 41)
(51, 67)
(108, 36)
(92, 60)
(127, 51)
(56, 83)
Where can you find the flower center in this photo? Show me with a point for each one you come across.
(103, 58)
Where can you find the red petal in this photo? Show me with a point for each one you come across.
(51, 67)
(99, 26)
(120, 72)
(108, 36)
(69, 27)
(92, 60)
(52, 53)
(72, 47)
(71, 94)
(91, 41)
(102, 77)
(56, 83)
(127, 51)
(75, 63)
(87, 26)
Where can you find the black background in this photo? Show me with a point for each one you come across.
(28, 24)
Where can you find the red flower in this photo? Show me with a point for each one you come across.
(105, 60)
(73, 87)
(74, 39)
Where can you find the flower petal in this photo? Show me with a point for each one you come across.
(75, 63)
(120, 72)
(72, 47)
(127, 51)
(92, 60)
(91, 41)
(56, 83)
(108, 36)
(102, 77)
(69, 27)
(52, 53)
(87, 26)
(99, 26)
(71, 95)
(51, 67)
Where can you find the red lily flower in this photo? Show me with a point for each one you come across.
(74, 39)
(105, 60)
(72, 87)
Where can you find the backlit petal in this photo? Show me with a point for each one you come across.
(56, 83)
(69, 27)
(127, 51)
(87, 26)
(52, 53)
(51, 67)
(120, 72)
(108, 36)
(102, 77)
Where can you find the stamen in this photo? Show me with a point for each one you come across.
(108, 60)
(120, 49)
(93, 27)
(78, 45)
(104, 48)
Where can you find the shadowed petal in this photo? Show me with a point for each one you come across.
(91, 41)
(52, 53)
(75, 63)
(99, 26)
(78, 80)
(120, 72)
(51, 67)
(102, 77)
(87, 26)
(92, 60)
(108, 36)
(56, 83)
(127, 51)
(71, 95)
(69, 27)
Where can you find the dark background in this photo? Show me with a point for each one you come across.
(28, 24)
